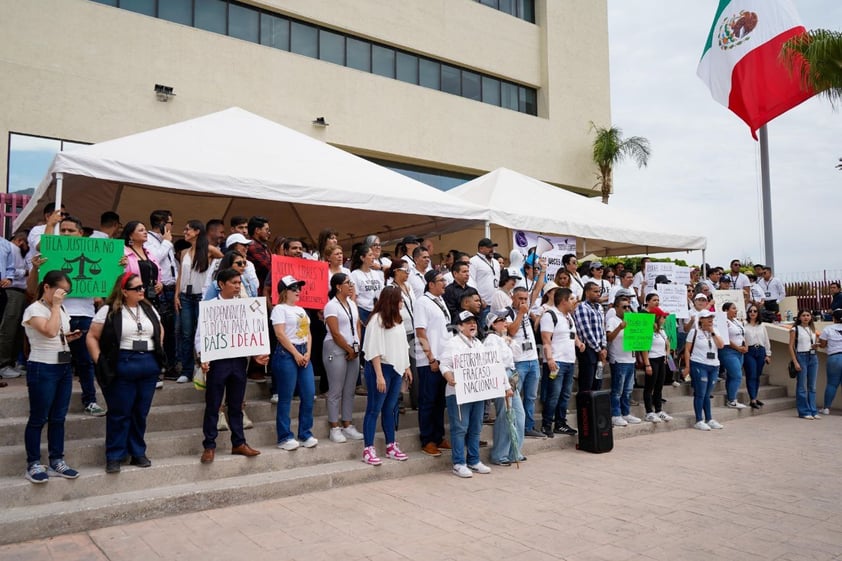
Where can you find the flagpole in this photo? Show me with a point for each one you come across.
(768, 244)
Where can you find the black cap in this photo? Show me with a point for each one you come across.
(411, 239)
(430, 276)
(506, 275)
(485, 242)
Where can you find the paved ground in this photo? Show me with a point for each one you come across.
(763, 488)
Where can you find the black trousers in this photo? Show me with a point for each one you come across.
(588, 360)
(226, 377)
(653, 385)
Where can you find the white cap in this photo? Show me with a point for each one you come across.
(237, 238)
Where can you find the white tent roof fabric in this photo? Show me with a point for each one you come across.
(520, 202)
(243, 164)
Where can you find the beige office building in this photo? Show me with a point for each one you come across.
(442, 89)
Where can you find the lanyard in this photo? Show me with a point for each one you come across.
(442, 308)
(136, 318)
(738, 326)
(349, 312)
(487, 262)
(407, 303)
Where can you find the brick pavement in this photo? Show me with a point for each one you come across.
(764, 488)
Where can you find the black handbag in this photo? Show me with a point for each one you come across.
(793, 373)
(103, 371)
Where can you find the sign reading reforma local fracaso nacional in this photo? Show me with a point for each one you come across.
(233, 328)
(479, 374)
(93, 264)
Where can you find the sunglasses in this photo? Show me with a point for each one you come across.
(138, 288)
(625, 307)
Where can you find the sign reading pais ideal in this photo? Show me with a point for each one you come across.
(233, 328)
(93, 264)
(479, 374)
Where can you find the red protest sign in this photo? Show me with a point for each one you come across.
(313, 273)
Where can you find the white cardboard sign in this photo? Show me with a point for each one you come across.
(479, 374)
(233, 328)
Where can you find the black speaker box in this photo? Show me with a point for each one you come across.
(593, 414)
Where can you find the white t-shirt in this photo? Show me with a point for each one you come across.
(833, 335)
(295, 321)
(486, 275)
(577, 285)
(705, 347)
(44, 349)
(740, 281)
(129, 333)
(659, 345)
(736, 332)
(524, 334)
(416, 282)
(192, 277)
(367, 286)
(434, 318)
(346, 316)
(343, 270)
(615, 347)
(804, 339)
(500, 300)
(563, 331)
(492, 340)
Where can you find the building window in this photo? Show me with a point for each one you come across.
(29, 159)
(249, 23)
(440, 179)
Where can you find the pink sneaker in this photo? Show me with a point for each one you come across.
(370, 456)
(394, 453)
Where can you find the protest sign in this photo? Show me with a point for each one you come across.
(682, 275)
(640, 328)
(671, 329)
(313, 273)
(654, 270)
(720, 327)
(479, 374)
(93, 264)
(721, 297)
(673, 299)
(553, 248)
(233, 328)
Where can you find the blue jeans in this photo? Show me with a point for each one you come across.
(188, 319)
(465, 427)
(129, 398)
(704, 378)
(381, 404)
(502, 448)
(754, 361)
(529, 372)
(83, 366)
(805, 389)
(732, 361)
(49, 387)
(559, 391)
(286, 373)
(622, 384)
(834, 377)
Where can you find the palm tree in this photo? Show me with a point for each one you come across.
(609, 148)
(821, 50)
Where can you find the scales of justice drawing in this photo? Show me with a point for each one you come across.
(83, 261)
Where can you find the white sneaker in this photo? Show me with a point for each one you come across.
(8, 372)
(817, 417)
(95, 410)
(289, 445)
(351, 432)
(247, 423)
(274, 398)
(664, 417)
(182, 380)
(652, 418)
(336, 435)
(676, 384)
(701, 425)
(480, 467)
(222, 423)
(461, 470)
(714, 424)
(159, 385)
(619, 422)
(825, 411)
(310, 442)
(734, 405)
(631, 419)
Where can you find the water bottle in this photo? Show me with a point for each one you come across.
(600, 368)
(789, 315)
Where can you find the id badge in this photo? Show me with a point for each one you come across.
(64, 357)
(526, 346)
(711, 356)
(768, 295)
(572, 336)
(812, 351)
(140, 346)
(356, 347)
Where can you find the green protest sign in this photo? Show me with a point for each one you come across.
(93, 264)
(640, 328)
(671, 328)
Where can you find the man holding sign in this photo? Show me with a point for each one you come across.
(622, 363)
(238, 334)
(473, 373)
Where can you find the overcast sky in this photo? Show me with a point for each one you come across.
(704, 173)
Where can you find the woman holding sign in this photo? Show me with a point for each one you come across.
(388, 360)
(655, 366)
(291, 365)
(126, 343)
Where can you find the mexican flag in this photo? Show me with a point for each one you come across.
(741, 62)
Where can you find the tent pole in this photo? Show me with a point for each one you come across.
(766, 192)
(487, 228)
(704, 266)
(59, 193)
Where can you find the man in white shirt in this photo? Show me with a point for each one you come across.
(485, 272)
(417, 269)
(739, 280)
(431, 334)
(624, 288)
(109, 226)
(640, 277)
(525, 354)
(773, 290)
(159, 245)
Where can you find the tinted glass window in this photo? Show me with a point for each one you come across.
(407, 70)
(471, 85)
(179, 11)
(527, 101)
(359, 54)
(210, 15)
(383, 61)
(429, 74)
(107, 2)
(491, 90)
(526, 10)
(508, 97)
(243, 22)
(332, 47)
(451, 81)
(146, 7)
(274, 31)
(492, 3)
(304, 40)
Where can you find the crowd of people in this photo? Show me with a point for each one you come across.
(391, 327)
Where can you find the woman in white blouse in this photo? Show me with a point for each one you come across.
(802, 349)
(368, 282)
(731, 355)
(655, 367)
(387, 353)
(831, 339)
(759, 353)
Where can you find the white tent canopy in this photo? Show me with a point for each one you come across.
(242, 164)
(520, 202)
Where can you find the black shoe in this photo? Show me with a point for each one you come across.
(483, 444)
(532, 433)
(140, 461)
(565, 429)
(663, 400)
(112, 466)
(548, 432)
(758, 402)
(488, 421)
